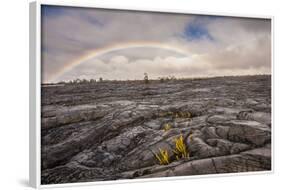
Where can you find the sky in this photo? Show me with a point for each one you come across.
(89, 43)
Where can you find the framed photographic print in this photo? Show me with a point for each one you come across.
(121, 94)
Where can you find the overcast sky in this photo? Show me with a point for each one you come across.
(91, 43)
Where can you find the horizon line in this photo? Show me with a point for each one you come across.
(156, 79)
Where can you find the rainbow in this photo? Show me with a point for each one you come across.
(115, 47)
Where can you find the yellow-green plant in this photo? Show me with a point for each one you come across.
(190, 136)
(187, 115)
(167, 127)
(180, 149)
(184, 114)
(163, 157)
(165, 114)
(178, 114)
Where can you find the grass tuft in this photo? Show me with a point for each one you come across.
(180, 149)
(162, 157)
(167, 127)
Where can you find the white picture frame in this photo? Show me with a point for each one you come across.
(35, 93)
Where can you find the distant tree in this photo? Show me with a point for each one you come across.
(92, 80)
(77, 81)
(100, 79)
(146, 81)
(173, 78)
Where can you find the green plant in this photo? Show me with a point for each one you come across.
(167, 127)
(180, 149)
(191, 136)
(181, 114)
(186, 114)
(165, 114)
(162, 157)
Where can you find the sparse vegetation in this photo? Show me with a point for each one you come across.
(176, 114)
(180, 149)
(165, 114)
(92, 80)
(78, 81)
(166, 79)
(183, 114)
(167, 127)
(163, 157)
(191, 136)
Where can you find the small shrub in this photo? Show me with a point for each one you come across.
(162, 157)
(180, 149)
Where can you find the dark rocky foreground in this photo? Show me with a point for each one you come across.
(112, 130)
